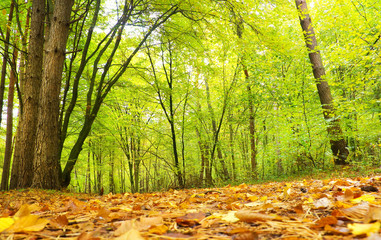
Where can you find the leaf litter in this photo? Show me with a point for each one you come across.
(345, 208)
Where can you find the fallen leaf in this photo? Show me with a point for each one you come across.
(60, 221)
(366, 198)
(249, 216)
(322, 203)
(5, 223)
(23, 211)
(374, 214)
(230, 217)
(367, 228)
(322, 222)
(158, 229)
(124, 228)
(357, 212)
(30, 223)
(132, 234)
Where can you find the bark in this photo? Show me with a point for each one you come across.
(8, 140)
(337, 141)
(22, 174)
(46, 160)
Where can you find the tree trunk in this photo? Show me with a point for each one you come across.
(337, 141)
(22, 174)
(46, 160)
(225, 172)
(9, 137)
(5, 58)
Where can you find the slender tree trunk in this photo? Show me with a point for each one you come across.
(22, 173)
(9, 137)
(232, 155)
(337, 141)
(253, 150)
(225, 172)
(111, 173)
(47, 168)
(5, 58)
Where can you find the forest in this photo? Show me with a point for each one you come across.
(149, 95)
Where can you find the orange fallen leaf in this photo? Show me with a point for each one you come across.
(249, 216)
(322, 222)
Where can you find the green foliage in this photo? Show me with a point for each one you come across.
(131, 130)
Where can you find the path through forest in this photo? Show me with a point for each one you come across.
(309, 209)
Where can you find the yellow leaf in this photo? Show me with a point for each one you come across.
(359, 228)
(132, 234)
(159, 229)
(366, 197)
(230, 217)
(6, 223)
(30, 223)
(264, 198)
(23, 211)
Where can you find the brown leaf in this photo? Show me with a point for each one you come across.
(246, 236)
(190, 219)
(60, 221)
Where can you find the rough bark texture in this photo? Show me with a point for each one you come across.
(22, 168)
(46, 160)
(338, 143)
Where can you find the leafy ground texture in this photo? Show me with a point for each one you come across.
(345, 208)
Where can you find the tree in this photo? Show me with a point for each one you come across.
(9, 135)
(107, 48)
(338, 143)
(21, 176)
(167, 97)
(46, 165)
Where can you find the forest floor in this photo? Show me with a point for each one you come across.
(338, 208)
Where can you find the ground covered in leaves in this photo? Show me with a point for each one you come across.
(310, 209)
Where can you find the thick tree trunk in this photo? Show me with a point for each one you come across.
(22, 167)
(338, 143)
(46, 160)
(9, 135)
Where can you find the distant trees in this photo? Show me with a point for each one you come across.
(162, 94)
